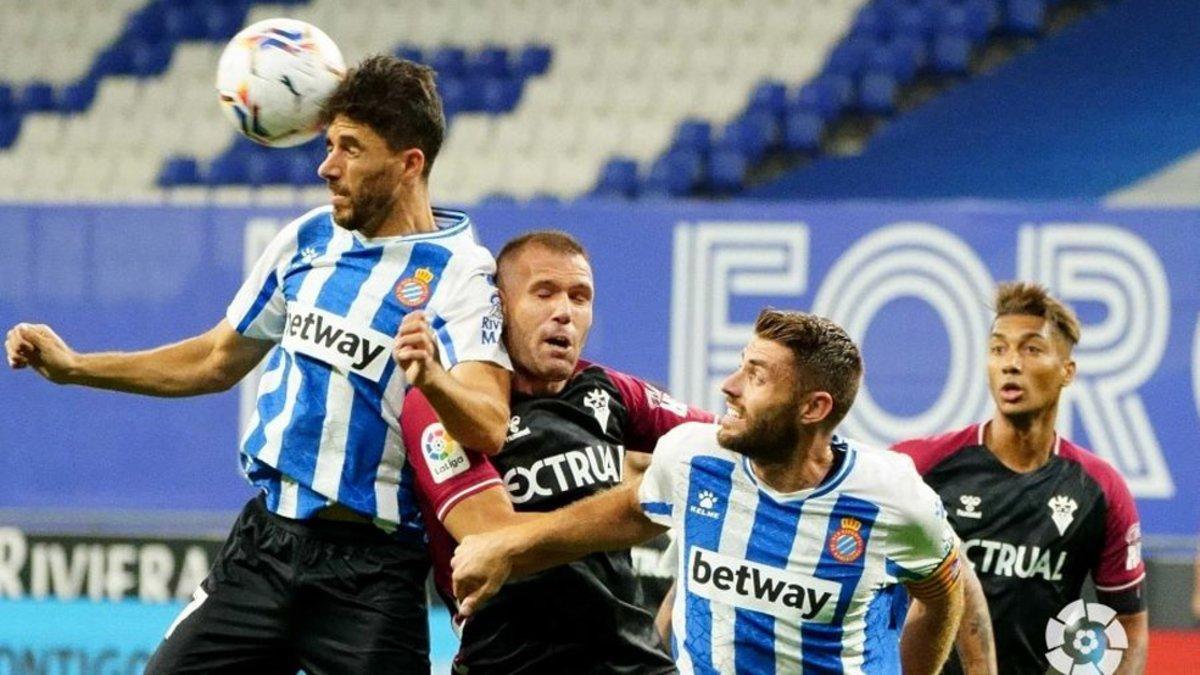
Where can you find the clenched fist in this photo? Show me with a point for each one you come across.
(416, 349)
(36, 346)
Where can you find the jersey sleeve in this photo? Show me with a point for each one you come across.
(922, 549)
(652, 412)
(259, 310)
(445, 472)
(468, 321)
(1120, 571)
(657, 492)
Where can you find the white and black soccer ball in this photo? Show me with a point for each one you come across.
(273, 77)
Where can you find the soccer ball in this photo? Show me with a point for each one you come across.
(273, 77)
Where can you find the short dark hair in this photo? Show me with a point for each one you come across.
(397, 99)
(1027, 298)
(826, 358)
(555, 241)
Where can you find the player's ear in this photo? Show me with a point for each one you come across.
(412, 163)
(816, 406)
(1068, 371)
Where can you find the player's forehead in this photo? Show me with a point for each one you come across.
(539, 264)
(1021, 326)
(767, 354)
(344, 128)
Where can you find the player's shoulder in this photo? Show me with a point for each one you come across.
(1094, 466)
(321, 216)
(930, 451)
(876, 466)
(690, 439)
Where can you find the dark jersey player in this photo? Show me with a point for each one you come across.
(572, 423)
(1036, 513)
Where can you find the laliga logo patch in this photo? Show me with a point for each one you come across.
(846, 544)
(443, 454)
(414, 291)
(1085, 638)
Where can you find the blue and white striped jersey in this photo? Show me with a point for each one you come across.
(789, 583)
(326, 427)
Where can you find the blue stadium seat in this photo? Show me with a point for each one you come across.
(1025, 17)
(223, 21)
(951, 54)
(500, 94)
(113, 61)
(533, 60)
(146, 24)
(489, 62)
(694, 135)
(457, 95)
(750, 135)
(916, 20)
(37, 97)
(302, 171)
(409, 53)
(770, 97)
(267, 167)
(849, 57)
(802, 131)
(8, 103)
(449, 62)
(677, 174)
(819, 97)
(179, 171)
(149, 58)
(183, 22)
(10, 126)
(227, 169)
(911, 48)
(498, 199)
(873, 22)
(543, 199)
(77, 97)
(898, 61)
(971, 21)
(618, 178)
(727, 171)
(877, 93)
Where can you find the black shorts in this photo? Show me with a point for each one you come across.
(325, 596)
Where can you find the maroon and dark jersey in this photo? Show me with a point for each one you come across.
(586, 616)
(1033, 538)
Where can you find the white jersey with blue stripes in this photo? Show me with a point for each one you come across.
(804, 582)
(326, 427)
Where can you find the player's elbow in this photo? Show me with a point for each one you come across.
(492, 439)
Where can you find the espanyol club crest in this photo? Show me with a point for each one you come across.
(846, 544)
(414, 291)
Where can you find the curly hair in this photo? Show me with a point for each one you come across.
(397, 99)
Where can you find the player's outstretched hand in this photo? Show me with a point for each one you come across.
(481, 567)
(36, 346)
(416, 349)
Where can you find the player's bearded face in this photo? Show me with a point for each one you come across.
(1028, 365)
(763, 400)
(368, 206)
(362, 175)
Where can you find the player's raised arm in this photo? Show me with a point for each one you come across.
(471, 398)
(608, 521)
(210, 362)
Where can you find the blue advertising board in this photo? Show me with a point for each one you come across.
(678, 288)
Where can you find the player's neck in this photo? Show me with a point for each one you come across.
(803, 469)
(532, 386)
(1022, 444)
(411, 214)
